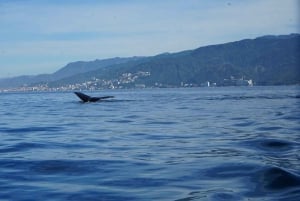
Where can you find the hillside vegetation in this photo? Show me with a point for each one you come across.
(267, 60)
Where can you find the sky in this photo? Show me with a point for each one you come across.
(42, 36)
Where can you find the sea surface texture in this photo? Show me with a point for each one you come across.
(227, 143)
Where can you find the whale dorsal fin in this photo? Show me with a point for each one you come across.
(83, 97)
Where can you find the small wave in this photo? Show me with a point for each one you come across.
(96, 195)
(231, 171)
(275, 144)
(122, 121)
(271, 145)
(269, 128)
(161, 123)
(258, 181)
(137, 182)
(244, 124)
(133, 116)
(248, 97)
(239, 118)
(275, 178)
(295, 117)
(59, 167)
(22, 147)
(29, 129)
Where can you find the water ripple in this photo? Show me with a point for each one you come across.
(226, 143)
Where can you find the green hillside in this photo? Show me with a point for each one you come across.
(269, 60)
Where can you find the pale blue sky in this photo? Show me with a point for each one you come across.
(41, 36)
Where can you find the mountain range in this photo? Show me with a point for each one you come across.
(267, 60)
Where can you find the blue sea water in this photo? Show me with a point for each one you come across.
(229, 143)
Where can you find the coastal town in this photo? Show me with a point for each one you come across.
(125, 81)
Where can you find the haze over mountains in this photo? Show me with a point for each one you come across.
(267, 60)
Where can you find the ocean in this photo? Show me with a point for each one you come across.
(222, 143)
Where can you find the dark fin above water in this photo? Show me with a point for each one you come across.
(86, 98)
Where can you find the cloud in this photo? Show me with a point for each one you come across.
(84, 21)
